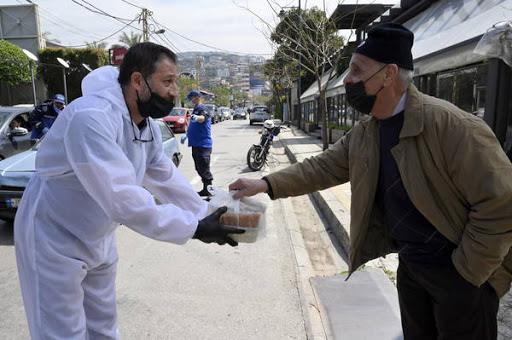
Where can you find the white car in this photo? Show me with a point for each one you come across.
(225, 112)
(16, 171)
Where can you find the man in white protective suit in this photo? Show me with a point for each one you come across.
(97, 168)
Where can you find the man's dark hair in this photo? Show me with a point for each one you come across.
(143, 57)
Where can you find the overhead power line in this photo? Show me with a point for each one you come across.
(103, 13)
(169, 42)
(99, 11)
(119, 30)
(205, 45)
(134, 5)
(128, 22)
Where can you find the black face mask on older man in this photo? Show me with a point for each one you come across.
(357, 96)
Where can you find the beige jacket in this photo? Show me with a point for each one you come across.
(454, 171)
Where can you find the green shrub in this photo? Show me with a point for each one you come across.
(51, 71)
(337, 127)
(14, 64)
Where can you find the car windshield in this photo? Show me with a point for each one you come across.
(239, 111)
(3, 116)
(177, 112)
(260, 109)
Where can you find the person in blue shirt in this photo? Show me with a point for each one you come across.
(44, 115)
(200, 139)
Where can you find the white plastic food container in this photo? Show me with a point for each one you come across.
(246, 213)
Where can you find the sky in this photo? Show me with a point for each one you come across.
(236, 26)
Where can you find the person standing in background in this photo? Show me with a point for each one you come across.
(199, 136)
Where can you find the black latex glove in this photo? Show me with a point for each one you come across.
(210, 230)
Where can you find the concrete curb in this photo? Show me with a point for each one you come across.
(304, 269)
(336, 214)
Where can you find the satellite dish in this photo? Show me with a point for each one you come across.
(30, 55)
(87, 67)
(63, 62)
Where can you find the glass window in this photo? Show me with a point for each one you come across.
(166, 132)
(464, 87)
(177, 112)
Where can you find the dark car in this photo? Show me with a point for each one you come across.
(16, 171)
(214, 113)
(15, 130)
(240, 113)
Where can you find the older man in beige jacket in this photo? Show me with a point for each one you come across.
(429, 181)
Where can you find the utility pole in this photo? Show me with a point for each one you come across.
(145, 30)
(198, 65)
(282, 15)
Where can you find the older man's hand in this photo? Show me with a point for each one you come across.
(248, 187)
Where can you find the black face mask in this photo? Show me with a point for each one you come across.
(155, 106)
(358, 98)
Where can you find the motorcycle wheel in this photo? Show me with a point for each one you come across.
(254, 161)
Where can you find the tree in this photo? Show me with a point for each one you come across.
(185, 84)
(315, 44)
(240, 98)
(46, 36)
(51, 71)
(101, 45)
(282, 73)
(14, 64)
(131, 39)
(221, 95)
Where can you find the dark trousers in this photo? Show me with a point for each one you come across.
(201, 158)
(437, 303)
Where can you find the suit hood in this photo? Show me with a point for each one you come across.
(103, 83)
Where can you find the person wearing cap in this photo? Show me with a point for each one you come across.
(199, 136)
(429, 181)
(44, 115)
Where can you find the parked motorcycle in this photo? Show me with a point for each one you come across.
(257, 154)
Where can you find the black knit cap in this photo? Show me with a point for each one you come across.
(389, 43)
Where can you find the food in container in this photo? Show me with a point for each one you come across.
(246, 213)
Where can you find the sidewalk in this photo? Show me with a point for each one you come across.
(365, 306)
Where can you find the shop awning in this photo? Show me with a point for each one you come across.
(447, 32)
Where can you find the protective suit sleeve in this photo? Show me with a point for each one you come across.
(167, 183)
(109, 177)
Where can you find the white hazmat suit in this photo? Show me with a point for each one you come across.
(88, 180)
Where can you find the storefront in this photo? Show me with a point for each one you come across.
(446, 64)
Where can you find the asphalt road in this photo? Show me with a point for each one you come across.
(194, 291)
